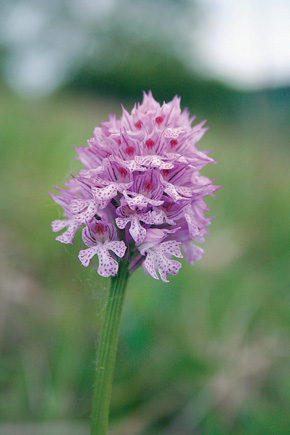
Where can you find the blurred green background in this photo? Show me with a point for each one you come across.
(207, 353)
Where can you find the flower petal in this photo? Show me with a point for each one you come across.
(107, 265)
(87, 215)
(136, 230)
(104, 194)
(192, 252)
(68, 235)
(59, 225)
(141, 170)
(153, 162)
(78, 205)
(172, 247)
(156, 259)
(192, 226)
(121, 222)
(166, 267)
(139, 200)
(149, 265)
(85, 255)
(118, 247)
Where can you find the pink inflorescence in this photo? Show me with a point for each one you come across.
(140, 196)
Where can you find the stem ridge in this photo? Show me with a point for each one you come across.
(107, 351)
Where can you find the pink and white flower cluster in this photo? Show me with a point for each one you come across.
(140, 196)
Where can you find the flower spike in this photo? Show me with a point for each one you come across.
(140, 196)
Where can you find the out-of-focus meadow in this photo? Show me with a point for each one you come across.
(207, 353)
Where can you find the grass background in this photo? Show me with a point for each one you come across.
(207, 353)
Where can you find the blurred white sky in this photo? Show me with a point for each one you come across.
(245, 43)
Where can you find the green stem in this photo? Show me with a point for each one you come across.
(107, 352)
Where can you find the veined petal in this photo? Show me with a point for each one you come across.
(192, 226)
(192, 252)
(172, 133)
(172, 192)
(199, 159)
(87, 238)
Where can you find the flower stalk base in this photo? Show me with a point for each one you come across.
(107, 352)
